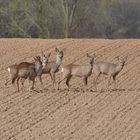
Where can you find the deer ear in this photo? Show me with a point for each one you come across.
(125, 59)
(94, 55)
(56, 49)
(88, 55)
(35, 58)
(42, 54)
(117, 58)
(49, 54)
(39, 57)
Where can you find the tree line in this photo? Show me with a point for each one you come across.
(70, 18)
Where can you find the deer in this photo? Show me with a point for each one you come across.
(109, 69)
(26, 70)
(83, 71)
(53, 66)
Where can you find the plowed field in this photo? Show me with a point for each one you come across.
(48, 114)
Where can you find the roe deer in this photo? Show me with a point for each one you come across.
(110, 69)
(26, 70)
(53, 66)
(83, 71)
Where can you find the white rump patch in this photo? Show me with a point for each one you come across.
(9, 69)
(44, 65)
(62, 69)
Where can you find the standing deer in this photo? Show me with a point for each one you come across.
(53, 66)
(110, 69)
(26, 70)
(83, 71)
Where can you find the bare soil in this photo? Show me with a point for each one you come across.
(48, 114)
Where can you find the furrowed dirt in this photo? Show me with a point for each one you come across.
(48, 114)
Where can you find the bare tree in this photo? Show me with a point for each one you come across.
(69, 8)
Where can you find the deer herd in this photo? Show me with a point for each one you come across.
(41, 65)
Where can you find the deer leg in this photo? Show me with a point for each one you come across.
(18, 83)
(67, 81)
(85, 80)
(40, 79)
(53, 79)
(109, 79)
(54, 83)
(33, 80)
(13, 81)
(63, 78)
(97, 77)
(85, 83)
(22, 82)
(51, 76)
(7, 81)
(114, 81)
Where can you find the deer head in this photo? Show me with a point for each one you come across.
(45, 59)
(122, 60)
(59, 53)
(91, 58)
